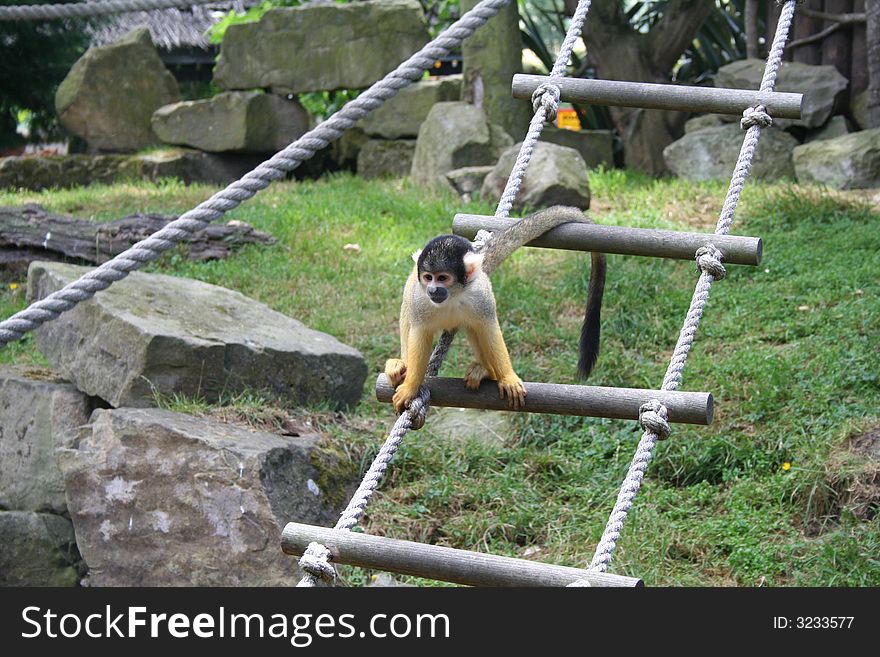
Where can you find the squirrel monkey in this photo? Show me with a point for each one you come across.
(449, 288)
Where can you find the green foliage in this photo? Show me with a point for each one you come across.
(788, 349)
(34, 58)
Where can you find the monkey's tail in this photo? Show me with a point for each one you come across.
(588, 346)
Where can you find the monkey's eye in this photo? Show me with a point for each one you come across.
(442, 278)
(427, 278)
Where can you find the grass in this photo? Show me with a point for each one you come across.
(789, 350)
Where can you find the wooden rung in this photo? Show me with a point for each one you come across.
(438, 563)
(663, 96)
(577, 236)
(560, 399)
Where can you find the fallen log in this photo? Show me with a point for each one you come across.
(29, 232)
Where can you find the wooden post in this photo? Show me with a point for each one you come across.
(663, 96)
(560, 399)
(627, 241)
(439, 563)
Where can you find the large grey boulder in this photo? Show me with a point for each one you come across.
(557, 175)
(152, 334)
(711, 153)
(242, 121)
(160, 498)
(403, 115)
(112, 91)
(37, 415)
(62, 171)
(492, 55)
(455, 135)
(386, 157)
(321, 47)
(39, 549)
(595, 146)
(820, 86)
(848, 162)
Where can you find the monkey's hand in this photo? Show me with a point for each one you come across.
(395, 370)
(511, 387)
(403, 396)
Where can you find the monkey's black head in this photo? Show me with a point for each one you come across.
(445, 262)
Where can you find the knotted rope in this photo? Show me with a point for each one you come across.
(709, 262)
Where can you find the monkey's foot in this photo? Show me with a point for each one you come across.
(395, 370)
(474, 375)
(402, 397)
(512, 388)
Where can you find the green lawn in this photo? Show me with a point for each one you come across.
(775, 492)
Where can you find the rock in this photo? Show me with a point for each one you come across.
(595, 146)
(165, 499)
(462, 424)
(858, 109)
(321, 47)
(386, 157)
(242, 121)
(63, 171)
(151, 334)
(403, 115)
(820, 86)
(492, 55)
(848, 162)
(704, 121)
(455, 135)
(557, 175)
(468, 181)
(39, 549)
(836, 127)
(37, 415)
(112, 91)
(711, 153)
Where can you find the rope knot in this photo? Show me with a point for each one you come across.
(316, 562)
(652, 417)
(546, 96)
(418, 410)
(756, 115)
(709, 261)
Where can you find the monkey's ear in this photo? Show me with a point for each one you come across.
(416, 254)
(472, 263)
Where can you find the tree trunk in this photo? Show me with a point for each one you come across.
(621, 53)
(858, 66)
(30, 233)
(837, 47)
(872, 11)
(751, 25)
(805, 26)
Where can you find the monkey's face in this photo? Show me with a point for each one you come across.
(438, 285)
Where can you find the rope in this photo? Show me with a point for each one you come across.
(86, 9)
(241, 190)
(414, 415)
(711, 269)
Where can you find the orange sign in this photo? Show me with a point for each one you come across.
(567, 119)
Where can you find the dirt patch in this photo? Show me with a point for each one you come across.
(851, 484)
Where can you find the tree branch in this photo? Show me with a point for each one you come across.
(846, 19)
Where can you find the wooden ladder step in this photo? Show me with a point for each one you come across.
(575, 236)
(438, 563)
(682, 98)
(561, 399)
